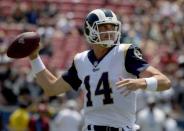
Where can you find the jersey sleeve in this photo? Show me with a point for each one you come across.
(71, 77)
(134, 62)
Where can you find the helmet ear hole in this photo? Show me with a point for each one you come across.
(86, 29)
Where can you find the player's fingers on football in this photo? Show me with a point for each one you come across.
(39, 47)
(35, 53)
(36, 50)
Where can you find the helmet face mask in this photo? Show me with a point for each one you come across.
(95, 21)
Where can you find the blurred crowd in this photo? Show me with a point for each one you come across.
(156, 26)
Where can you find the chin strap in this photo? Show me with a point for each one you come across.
(105, 45)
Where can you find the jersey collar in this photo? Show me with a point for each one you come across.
(92, 58)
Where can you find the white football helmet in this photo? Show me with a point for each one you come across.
(98, 17)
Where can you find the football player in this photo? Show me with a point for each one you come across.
(110, 73)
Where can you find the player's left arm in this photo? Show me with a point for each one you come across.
(163, 82)
(148, 77)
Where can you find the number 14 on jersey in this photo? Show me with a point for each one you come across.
(103, 88)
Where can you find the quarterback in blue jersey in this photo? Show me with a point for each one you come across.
(109, 73)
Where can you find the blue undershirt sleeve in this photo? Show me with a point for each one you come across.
(71, 77)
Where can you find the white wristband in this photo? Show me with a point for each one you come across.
(151, 83)
(37, 65)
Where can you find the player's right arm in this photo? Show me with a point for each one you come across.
(50, 84)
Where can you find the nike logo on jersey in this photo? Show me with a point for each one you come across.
(96, 69)
(95, 64)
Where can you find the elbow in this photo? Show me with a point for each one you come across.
(47, 88)
(48, 92)
(169, 84)
(54, 91)
(165, 84)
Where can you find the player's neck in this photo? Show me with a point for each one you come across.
(100, 51)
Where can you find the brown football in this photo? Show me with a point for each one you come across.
(23, 45)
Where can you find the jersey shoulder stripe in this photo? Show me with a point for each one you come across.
(124, 48)
(80, 56)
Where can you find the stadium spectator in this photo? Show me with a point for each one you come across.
(19, 119)
(32, 14)
(68, 118)
(151, 118)
(18, 15)
(40, 120)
